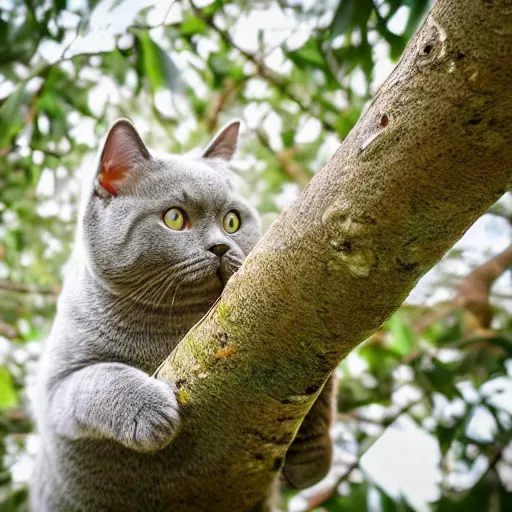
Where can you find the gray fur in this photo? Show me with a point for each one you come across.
(133, 290)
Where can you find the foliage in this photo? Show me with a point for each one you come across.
(298, 74)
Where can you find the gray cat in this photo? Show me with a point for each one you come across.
(158, 238)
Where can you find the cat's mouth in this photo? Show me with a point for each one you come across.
(226, 269)
(225, 274)
(216, 271)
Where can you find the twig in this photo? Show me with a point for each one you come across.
(291, 168)
(7, 330)
(230, 89)
(52, 290)
(16, 421)
(493, 459)
(442, 310)
(263, 70)
(297, 172)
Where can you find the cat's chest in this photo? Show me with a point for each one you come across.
(146, 348)
(98, 326)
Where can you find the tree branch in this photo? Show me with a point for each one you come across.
(475, 290)
(228, 93)
(473, 294)
(30, 288)
(263, 70)
(8, 330)
(430, 155)
(285, 158)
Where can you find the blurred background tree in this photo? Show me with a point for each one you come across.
(425, 404)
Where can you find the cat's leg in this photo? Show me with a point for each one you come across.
(115, 401)
(309, 457)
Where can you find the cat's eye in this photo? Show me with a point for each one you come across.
(231, 222)
(175, 219)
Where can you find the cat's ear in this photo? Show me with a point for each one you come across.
(122, 159)
(223, 145)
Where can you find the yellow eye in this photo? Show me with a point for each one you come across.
(231, 222)
(175, 219)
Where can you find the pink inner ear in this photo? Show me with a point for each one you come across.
(111, 173)
(122, 151)
(107, 178)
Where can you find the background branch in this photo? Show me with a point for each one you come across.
(53, 290)
(473, 294)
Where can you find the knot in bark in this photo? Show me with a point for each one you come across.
(351, 240)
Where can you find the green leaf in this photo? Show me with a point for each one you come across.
(212, 8)
(92, 4)
(447, 434)
(288, 137)
(388, 504)
(394, 5)
(445, 437)
(440, 377)
(502, 342)
(355, 500)
(59, 5)
(380, 358)
(51, 103)
(115, 63)
(16, 500)
(8, 396)
(11, 117)
(347, 120)
(308, 55)
(485, 496)
(396, 42)
(193, 25)
(403, 336)
(418, 9)
(443, 332)
(349, 15)
(349, 57)
(155, 64)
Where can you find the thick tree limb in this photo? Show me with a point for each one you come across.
(431, 154)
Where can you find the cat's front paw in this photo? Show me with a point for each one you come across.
(155, 423)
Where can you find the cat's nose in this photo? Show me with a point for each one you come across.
(219, 249)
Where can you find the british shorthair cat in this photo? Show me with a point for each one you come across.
(158, 238)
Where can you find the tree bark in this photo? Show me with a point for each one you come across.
(432, 152)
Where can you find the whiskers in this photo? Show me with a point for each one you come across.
(157, 290)
(164, 299)
(149, 288)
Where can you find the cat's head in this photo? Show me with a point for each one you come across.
(165, 219)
